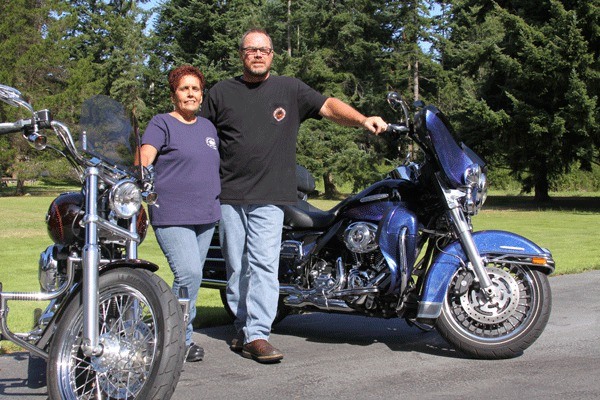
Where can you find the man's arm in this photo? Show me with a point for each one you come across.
(341, 113)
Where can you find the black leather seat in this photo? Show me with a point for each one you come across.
(305, 216)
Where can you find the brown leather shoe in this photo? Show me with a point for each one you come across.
(237, 343)
(261, 350)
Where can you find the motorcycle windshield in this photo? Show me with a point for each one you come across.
(452, 158)
(107, 132)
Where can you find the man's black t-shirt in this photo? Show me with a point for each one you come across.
(258, 124)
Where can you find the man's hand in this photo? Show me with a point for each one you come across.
(375, 125)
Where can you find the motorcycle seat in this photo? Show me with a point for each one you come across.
(303, 215)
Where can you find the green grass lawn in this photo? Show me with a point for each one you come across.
(568, 227)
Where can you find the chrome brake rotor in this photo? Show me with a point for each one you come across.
(499, 308)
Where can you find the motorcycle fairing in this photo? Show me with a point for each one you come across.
(491, 242)
(397, 239)
(452, 159)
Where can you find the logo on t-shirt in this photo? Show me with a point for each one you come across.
(211, 142)
(279, 114)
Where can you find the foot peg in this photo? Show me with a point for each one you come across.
(184, 302)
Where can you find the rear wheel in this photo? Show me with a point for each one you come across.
(142, 334)
(503, 327)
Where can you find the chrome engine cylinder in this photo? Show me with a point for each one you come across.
(360, 237)
(49, 274)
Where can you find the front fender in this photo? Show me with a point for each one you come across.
(492, 245)
(135, 263)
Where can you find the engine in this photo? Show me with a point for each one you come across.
(52, 268)
(360, 237)
(344, 275)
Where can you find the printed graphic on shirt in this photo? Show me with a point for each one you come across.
(211, 142)
(279, 114)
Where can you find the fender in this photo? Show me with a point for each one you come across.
(135, 263)
(491, 244)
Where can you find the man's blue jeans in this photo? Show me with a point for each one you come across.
(185, 248)
(251, 240)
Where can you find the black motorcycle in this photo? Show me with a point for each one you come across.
(405, 247)
(112, 329)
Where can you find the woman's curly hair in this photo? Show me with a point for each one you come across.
(178, 73)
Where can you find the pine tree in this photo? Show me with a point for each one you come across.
(523, 72)
(32, 61)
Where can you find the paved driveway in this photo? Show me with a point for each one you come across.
(332, 356)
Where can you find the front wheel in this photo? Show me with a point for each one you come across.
(503, 327)
(142, 334)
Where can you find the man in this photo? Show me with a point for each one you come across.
(257, 118)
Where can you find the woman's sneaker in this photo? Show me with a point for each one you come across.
(194, 353)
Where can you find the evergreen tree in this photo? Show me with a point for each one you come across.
(523, 71)
(107, 41)
(31, 61)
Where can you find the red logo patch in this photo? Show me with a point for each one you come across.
(279, 114)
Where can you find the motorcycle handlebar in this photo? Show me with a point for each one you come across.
(11, 127)
(397, 128)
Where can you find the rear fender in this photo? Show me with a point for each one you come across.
(492, 245)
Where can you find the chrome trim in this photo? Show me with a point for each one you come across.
(33, 296)
(403, 264)
(214, 284)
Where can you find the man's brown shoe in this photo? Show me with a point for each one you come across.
(261, 350)
(237, 343)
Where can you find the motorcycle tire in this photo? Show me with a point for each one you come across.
(505, 328)
(143, 334)
(282, 310)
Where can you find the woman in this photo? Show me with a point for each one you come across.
(184, 151)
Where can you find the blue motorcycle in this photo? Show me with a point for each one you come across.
(405, 247)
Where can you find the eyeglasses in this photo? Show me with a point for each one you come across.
(253, 50)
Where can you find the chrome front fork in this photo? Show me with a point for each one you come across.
(463, 230)
(91, 260)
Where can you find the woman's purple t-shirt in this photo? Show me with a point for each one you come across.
(187, 171)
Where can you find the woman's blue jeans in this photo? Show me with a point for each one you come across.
(251, 239)
(185, 248)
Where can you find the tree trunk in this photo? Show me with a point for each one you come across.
(289, 28)
(20, 190)
(542, 188)
(331, 191)
(416, 80)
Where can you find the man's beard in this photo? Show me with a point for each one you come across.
(257, 73)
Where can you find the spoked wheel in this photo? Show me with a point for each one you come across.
(142, 334)
(503, 327)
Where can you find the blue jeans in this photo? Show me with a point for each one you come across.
(251, 240)
(185, 248)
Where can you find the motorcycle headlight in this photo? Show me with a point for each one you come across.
(476, 181)
(125, 199)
